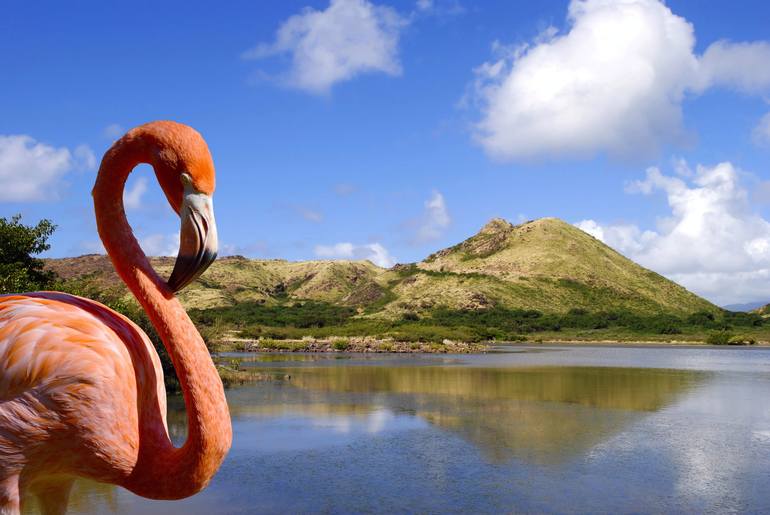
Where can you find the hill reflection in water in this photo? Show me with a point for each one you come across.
(408, 414)
(541, 414)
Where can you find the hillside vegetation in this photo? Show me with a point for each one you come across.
(543, 276)
(546, 265)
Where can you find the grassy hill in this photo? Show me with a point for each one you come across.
(546, 265)
(542, 276)
(235, 280)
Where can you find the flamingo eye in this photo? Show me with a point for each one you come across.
(185, 179)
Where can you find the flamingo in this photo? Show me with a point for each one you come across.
(81, 386)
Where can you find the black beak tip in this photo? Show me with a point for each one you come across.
(174, 285)
(188, 269)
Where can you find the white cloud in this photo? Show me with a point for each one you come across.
(761, 133)
(741, 66)
(113, 131)
(627, 238)
(84, 158)
(32, 171)
(349, 38)
(132, 197)
(160, 244)
(712, 241)
(614, 82)
(434, 221)
(374, 252)
(760, 192)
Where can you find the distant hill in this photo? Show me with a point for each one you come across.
(745, 307)
(546, 265)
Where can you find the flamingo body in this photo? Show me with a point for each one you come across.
(70, 372)
(81, 386)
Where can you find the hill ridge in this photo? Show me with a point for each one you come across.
(545, 264)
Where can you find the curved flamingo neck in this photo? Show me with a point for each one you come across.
(162, 471)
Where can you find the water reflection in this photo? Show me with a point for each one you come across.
(527, 432)
(543, 414)
(86, 497)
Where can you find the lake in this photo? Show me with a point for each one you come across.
(551, 429)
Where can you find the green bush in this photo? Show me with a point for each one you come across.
(268, 343)
(322, 320)
(720, 338)
(19, 270)
(340, 344)
(302, 315)
(741, 340)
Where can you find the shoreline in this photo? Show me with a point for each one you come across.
(640, 343)
(378, 345)
(357, 344)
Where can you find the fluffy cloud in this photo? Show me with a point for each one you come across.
(132, 197)
(741, 66)
(434, 221)
(614, 82)
(374, 252)
(712, 241)
(349, 38)
(160, 244)
(32, 171)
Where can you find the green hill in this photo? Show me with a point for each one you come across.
(235, 280)
(543, 279)
(546, 265)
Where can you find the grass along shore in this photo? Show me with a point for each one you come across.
(365, 344)
(314, 328)
(372, 344)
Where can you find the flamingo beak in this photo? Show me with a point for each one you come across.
(197, 239)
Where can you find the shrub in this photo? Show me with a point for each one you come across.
(212, 334)
(19, 271)
(719, 338)
(701, 318)
(303, 315)
(341, 344)
(270, 344)
(741, 340)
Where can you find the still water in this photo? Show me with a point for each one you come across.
(532, 429)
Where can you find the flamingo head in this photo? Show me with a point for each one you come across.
(185, 171)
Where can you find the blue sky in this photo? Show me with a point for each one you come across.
(388, 130)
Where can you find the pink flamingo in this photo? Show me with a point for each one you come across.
(81, 387)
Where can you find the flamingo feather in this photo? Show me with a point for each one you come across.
(81, 386)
